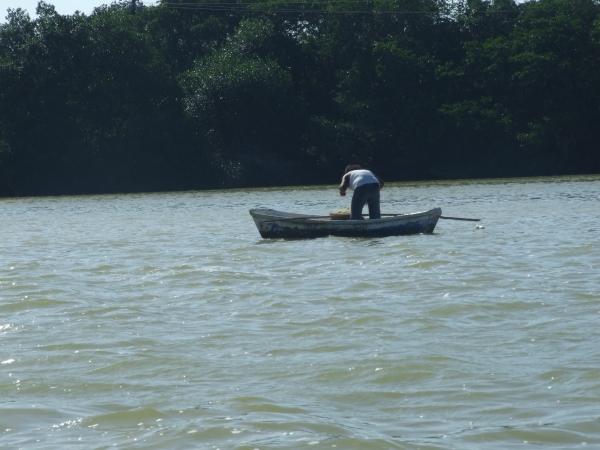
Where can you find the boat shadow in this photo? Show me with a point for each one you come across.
(367, 241)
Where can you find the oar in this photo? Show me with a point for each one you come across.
(328, 217)
(441, 217)
(460, 218)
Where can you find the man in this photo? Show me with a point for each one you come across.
(366, 188)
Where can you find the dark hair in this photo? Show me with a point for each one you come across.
(352, 167)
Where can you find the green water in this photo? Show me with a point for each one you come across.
(164, 321)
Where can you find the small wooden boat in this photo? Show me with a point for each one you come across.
(278, 224)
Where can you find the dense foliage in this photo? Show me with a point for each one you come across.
(184, 96)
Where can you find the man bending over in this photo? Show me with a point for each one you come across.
(366, 188)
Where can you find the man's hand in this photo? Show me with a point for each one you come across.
(345, 183)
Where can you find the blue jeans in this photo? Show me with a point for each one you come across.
(367, 193)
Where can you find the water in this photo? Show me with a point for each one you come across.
(164, 321)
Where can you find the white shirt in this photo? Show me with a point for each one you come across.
(360, 177)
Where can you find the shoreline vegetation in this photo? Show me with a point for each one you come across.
(192, 95)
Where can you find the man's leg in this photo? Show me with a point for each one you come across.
(373, 201)
(359, 199)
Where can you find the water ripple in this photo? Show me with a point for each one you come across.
(141, 321)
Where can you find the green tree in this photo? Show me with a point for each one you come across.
(243, 100)
(519, 96)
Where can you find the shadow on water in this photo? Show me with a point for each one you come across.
(365, 241)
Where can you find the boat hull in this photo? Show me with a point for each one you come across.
(278, 224)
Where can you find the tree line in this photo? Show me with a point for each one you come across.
(203, 95)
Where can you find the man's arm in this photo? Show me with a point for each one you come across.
(345, 184)
(381, 183)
